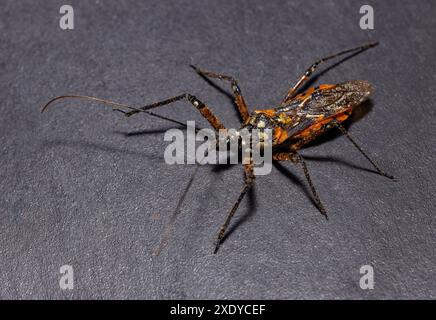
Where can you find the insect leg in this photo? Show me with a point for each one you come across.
(239, 99)
(248, 183)
(293, 91)
(295, 157)
(200, 106)
(345, 132)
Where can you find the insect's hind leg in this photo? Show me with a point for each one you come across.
(200, 106)
(374, 164)
(237, 94)
(296, 158)
(306, 75)
(248, 183)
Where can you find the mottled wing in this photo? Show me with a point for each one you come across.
(319, 105)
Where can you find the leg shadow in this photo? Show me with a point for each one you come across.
(95, 146)
(285, 171)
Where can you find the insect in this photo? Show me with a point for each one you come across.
(297, 120)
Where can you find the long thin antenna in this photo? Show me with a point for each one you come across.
(109, 102)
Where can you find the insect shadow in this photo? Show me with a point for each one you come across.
(97, 146)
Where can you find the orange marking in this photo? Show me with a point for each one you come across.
(316, 127)
(268, 112)
(326, 86)
(280, 135)
(311, 90)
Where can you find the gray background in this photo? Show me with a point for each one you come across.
(76, 189)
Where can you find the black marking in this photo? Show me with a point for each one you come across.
(236, 88)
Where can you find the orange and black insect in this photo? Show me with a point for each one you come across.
(296, 121)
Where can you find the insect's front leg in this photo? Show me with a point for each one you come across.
(296, 158)
(248, 183)
(200, 106)
(237, 94)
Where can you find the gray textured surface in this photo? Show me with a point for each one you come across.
(74, 189)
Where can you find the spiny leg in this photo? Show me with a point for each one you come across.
(239, 99)
(293, 91)
(200, 106)
(248, 183)
(346, 134)
(295, 157)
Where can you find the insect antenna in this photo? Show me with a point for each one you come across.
(111, 103)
